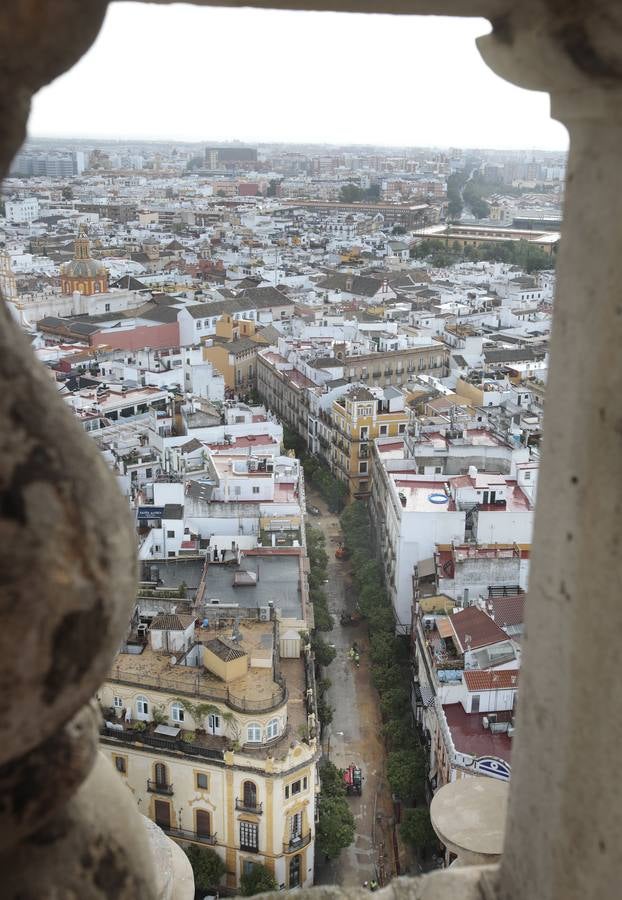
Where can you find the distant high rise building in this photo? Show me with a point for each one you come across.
(221, 155)
(51, 165)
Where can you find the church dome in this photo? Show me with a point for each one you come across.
(83, 268)
(83, 274)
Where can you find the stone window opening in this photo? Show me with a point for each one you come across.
(581, 45)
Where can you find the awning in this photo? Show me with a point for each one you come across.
(443, 626)
(426, 567)
(167, 731)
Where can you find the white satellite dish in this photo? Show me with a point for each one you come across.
(173, 660)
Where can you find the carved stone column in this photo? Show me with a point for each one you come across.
(68, 826)
(565, 814)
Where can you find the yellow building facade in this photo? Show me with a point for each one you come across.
(224, 754)
(358, 418)
(234, 352)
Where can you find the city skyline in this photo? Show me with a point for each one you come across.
(168, 102)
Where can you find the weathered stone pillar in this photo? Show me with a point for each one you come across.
(68, 825)
(565, 814)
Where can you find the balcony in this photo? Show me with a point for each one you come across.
(297, 843)
(159, 787)
(183, 835)
(208, 746)
(241, 806)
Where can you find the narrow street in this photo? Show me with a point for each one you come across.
(355, 733)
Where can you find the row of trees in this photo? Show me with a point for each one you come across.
(334, 491)
(350, 193)
(318, 562)
(336, 829)
(442, 253)
(209, 868)
(390, 667)
(317, 473)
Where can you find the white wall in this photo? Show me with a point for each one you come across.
(504, 527)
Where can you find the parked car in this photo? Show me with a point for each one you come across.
(313, 510)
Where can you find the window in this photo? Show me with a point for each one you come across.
(363, 468)
(142, 707)
(237, 490)
(272, 729)
(255, 489)
(383, 430)
(249, 793)
(438, 470)
(201, 781)
(253, 734)
(249, 836)
(296, 827)
(148, 473)
(177, 712)
(170, 534)
(160, 775)
(364, 433)
(213, 723)
(118, 702)
(527, 476)
(203, 822)
(401, 428)
(296, 787)
(475, 703)
(120, 764)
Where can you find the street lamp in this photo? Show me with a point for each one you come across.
(339, 734)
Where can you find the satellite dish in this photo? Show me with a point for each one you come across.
(173, 660)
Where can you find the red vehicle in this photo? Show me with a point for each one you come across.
(341, 552)
(353, 780)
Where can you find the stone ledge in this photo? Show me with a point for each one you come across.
(455, 883)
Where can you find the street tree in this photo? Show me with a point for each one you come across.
(406, 771)
(416, 829)
(335, 830)
(324, 653)
(207, 866)
(257, 880)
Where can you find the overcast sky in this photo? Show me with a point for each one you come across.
(188, 73)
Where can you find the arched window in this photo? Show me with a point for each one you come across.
(142, 707)
(253, 733)
(250, 794)
(160, 774)
(177, 712)
(272, 729)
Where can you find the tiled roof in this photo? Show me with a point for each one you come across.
(171, 622)
(479, 628)
(508, 610)
(491, 680)
(224, 651)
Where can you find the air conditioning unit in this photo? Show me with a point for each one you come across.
(264, 613)
(510, 730)
(485, 722)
